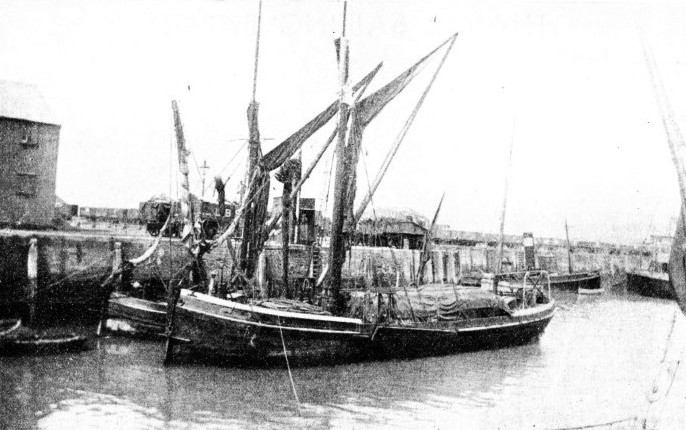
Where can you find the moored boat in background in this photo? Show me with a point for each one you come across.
(578, 281)
(654, 281)
(651, 283)
(17, 339)
(8, 326)
(136, 316)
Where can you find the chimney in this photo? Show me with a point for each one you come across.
(529, 251)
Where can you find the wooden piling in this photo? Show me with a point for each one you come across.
(32, 272)
(116, 257)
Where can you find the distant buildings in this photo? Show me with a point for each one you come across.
(29, 140)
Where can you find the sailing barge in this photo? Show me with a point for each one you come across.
(434, 319)
(338, 324)
(426, 320)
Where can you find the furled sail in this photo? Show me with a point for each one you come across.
(186, 209)
(254, 229)
(258, 196)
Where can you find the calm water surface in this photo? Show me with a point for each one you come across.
(594, 363)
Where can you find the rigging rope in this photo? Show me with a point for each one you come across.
(290, 374)
(257, 50)
(595, 426)
(328, 182)
(171, 205)
(72, 275)
(233, 157)
(369, 185)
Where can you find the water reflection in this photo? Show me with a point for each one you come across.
(594, 363)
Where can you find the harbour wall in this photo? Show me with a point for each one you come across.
(70, 266)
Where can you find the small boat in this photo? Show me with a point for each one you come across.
(135, 316)
(581, 282)
(24, 340)
(8, 326)
(253, 332)
(650, 283)
(591, 291)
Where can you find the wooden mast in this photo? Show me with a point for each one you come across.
(250, 222)
(426, 248)
(337, 245)
(337, 253)
(499, 264)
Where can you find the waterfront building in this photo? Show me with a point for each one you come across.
(29, 141)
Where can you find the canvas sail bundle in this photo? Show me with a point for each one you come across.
(432, 302)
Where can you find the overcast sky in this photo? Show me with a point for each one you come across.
(565, 81)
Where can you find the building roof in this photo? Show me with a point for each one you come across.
(24, 101)
(395, 215)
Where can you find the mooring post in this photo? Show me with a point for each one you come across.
(32, 272)
(262, 275)
(116, 257)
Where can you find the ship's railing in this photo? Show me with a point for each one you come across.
(534, 277)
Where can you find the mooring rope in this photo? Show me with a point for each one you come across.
(288, 366)
(593, 426)
(72, 275)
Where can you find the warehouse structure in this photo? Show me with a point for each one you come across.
(29, 141)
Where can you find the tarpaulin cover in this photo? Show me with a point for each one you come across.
(431, 301)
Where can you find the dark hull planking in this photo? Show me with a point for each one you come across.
(136, 317)
(28, 341)
(576, 281)
(242, 335)
(650, 285)
(252, 337)
(395, 341)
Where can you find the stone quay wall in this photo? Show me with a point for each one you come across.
(71, 265)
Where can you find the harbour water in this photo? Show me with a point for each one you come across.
(595, 363)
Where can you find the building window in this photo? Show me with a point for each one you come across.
(27, 184)
(28, 135)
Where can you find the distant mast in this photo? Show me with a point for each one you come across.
(337, 245)
(499, 264)
(569, 248)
